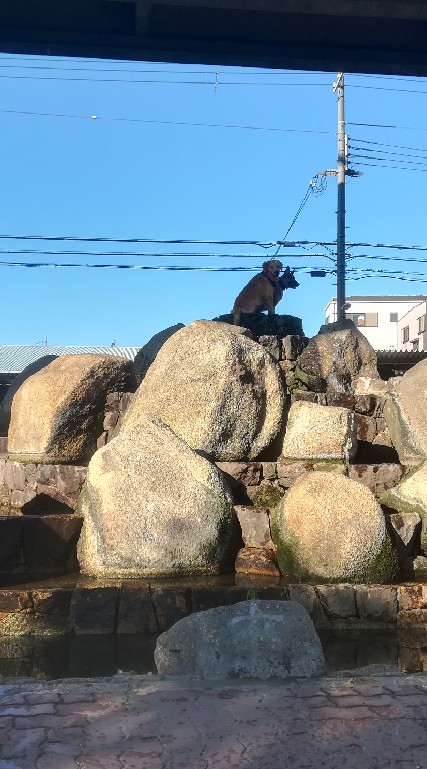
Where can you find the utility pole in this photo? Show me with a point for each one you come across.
(341, 172)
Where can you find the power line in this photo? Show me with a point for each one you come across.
(162, 122)
(161, 82)
(310, 190)
(193, 241)
(385, 152)
(213, 72)
(174, 241)
(389, 167)
(384, 88)
(393, 160)
(174, 267)
(157, 255)
(393, 146)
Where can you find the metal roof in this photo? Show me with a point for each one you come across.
(401, 355)
(15, 357)
(384, 298)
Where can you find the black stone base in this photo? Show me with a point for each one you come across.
(267, 325)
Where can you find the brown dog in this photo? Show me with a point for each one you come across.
(264, 291)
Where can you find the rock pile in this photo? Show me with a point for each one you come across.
(223, 429)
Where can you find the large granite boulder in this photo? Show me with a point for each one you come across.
(410, 496)
(57, 414)
(319, 432)
(405, 412)
(147, 354)
(153, 507)
(335, 359)
(329, 528)
(252, 639)
(6, 403)
(219, 391)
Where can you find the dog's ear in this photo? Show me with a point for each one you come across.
(266, 266)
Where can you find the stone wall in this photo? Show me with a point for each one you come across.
(56, 486)
(82, 606)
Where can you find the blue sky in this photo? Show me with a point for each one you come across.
(76, 176)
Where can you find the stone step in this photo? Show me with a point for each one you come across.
(76, 605)
(39, 544)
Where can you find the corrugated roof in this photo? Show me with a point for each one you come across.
(384, 298)
(15, 357)
(401, 355)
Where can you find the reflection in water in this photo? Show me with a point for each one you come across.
(359, 652)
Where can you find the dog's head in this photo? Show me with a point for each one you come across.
(272, 269)
(287, 280)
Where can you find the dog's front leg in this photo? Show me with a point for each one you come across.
(270, 307)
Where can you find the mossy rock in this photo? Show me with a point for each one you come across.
(265, 495)
(329, 528)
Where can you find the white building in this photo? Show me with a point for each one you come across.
(388, 322)
(412, 328)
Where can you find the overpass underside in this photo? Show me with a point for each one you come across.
(382, 36)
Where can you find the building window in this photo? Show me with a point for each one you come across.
(393, 317)
(421, 324)
(405, 334)
(362, 319)
(415, 345)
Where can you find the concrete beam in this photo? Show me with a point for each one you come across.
(382, 36)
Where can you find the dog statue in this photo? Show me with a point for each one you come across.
(265, 290)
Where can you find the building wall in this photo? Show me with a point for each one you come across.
(384, 335)
(412, 329)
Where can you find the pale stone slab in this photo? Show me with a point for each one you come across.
(316, 432)
(405, 412)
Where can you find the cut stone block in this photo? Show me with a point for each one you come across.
(257, 560)
(255, 525)
(378, 478)
(319, 432)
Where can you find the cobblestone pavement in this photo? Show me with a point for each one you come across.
(138, 722)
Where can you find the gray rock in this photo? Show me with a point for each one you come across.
(410, 497)
(339, 601)
(292, 346)
(334, 360)
(6, 403)
(406, 529)
(405, 412)
(147, 354)
(252, 639)
(273, 344)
